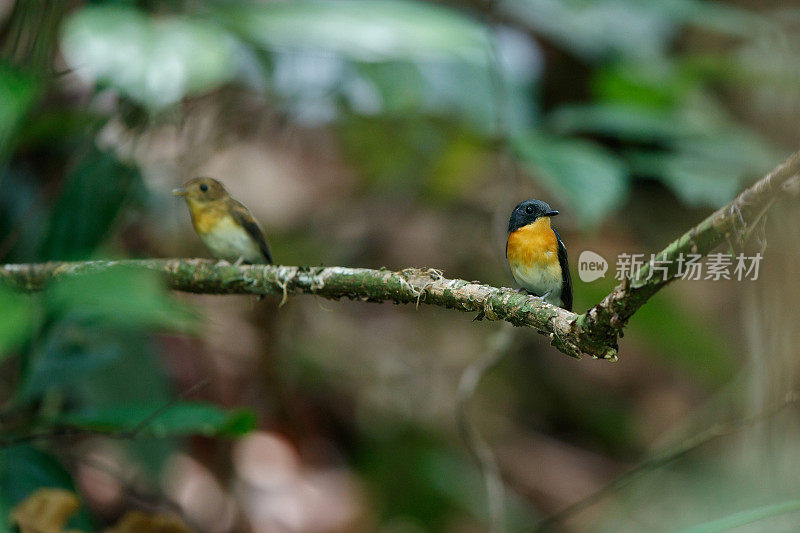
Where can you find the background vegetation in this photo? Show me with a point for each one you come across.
(392, 133)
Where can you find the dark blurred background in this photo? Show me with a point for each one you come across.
(388, 133)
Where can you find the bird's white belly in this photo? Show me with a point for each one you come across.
(540, 281)
(230, 241)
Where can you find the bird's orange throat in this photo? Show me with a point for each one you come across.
(533, 244)
(206, 215)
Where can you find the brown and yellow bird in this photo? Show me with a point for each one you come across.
(226, 226)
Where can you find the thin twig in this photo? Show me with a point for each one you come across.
(62, 431)
(478, 447)
(142, 425)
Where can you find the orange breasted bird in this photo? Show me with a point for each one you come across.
(226, 226)
(536, 255)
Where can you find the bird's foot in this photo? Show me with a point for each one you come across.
(223, 262)
(542, 298)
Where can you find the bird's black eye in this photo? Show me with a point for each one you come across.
(529, 209)
(204, 187)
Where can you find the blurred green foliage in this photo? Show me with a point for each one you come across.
(746, 517)
(330, 61)
(18, 92)
(578, 169)
(87, 364)
(92, 196)
(700, 351)
(178, 419)
(23, 469)
(124, 298)
(20, 316)
(155, 62)
(81, 356)
(388, 30)
(598, 29)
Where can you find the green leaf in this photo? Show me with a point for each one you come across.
(56, 127)
(733, 146)
(69, 351)
(179, 419)
(627, 122)
(399, 85)
(707, 156)
(750, 516)
(93, 197)
(97, 317)
(374, 30)
(18, 92)
(594, 29)
(698, 181)
(136, 377)
(701, 132)
(23, 218)
(661, 83)
(591, 180)
(709, 171)
(154, 61)
(23, 469)
(124, 297)
(19, 312)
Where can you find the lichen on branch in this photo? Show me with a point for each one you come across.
(409, 286)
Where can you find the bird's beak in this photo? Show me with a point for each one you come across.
(180, 191)
(551, 213)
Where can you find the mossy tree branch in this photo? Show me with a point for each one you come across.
(407, 286)
(734, 223)
(594, 333)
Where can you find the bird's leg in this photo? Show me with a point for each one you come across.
(239, 262)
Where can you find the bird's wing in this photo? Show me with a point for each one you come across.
(242, 216)
(566, 279)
